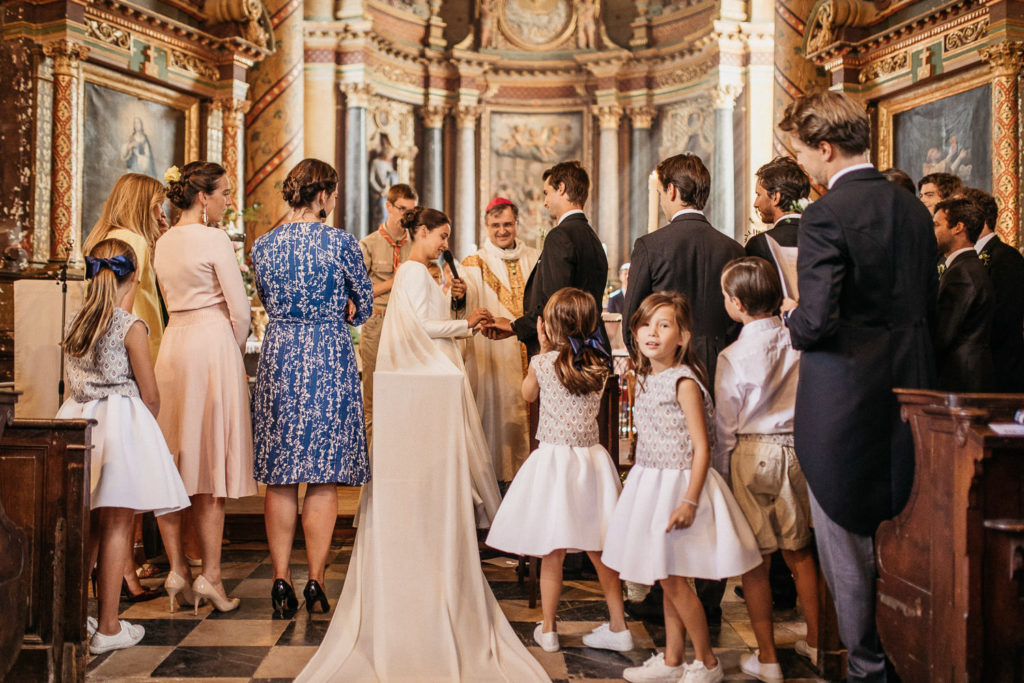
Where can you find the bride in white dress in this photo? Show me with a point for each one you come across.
(416, 605)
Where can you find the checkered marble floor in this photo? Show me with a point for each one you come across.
(248, 645)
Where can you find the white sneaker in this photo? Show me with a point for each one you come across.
(753, 666)
(129, 635)
(547, 641)
(654, 670)
(698, 673)
(805, 650)
(91, 625)
(603, 638)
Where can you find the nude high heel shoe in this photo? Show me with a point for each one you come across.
(174, 584)
(204, 591)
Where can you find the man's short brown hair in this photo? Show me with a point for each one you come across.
(987, 204)
(501, 207)
(783, 175)
(401, 191)
(689, 175)
(828, 116)
(573, 177)
(755, 282)
(963, 210)
(946, 183)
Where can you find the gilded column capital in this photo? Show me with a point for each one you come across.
(466, 115)
(725, 95)
(608, 116)
(357, 94)
(1005, 57)
(66, 55)
(433, 115)
(642, 117)
(233, 109)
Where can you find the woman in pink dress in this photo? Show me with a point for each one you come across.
(205, 408)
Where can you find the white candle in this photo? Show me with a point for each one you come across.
(652, 202)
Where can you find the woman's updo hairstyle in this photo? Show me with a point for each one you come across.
(309, 178)
(431, 219)
(196, 177)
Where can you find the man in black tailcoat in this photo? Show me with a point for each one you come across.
(867, 281)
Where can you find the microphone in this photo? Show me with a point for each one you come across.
(450, 260)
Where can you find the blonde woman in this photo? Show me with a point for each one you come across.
(134, 214)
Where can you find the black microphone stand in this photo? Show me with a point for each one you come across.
(62, 278)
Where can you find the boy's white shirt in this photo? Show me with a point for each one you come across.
(755, 387)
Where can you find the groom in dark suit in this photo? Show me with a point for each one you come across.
(867, 282)
(572, 256)
(685, 256)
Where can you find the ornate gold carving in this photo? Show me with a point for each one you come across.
(642, 117)
(966, 35)
(535, 24)
(433, 115)
(885, 66)
(388, 72)
(466, 115)
(251, 16)
(684, 75)
(357, 94)
(1004, 57)
(66, 55)
(110, 34)
(192, 64)
(829, 16)
(608, 116)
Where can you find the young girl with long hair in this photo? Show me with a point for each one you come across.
(676, 517)
(562, 498)
(111, 379)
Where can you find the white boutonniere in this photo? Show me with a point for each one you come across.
(799, 205)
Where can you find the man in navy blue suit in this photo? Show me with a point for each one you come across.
(867, 283)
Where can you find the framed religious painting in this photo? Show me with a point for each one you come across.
(944, 127)
(518, 145)
(130, 126)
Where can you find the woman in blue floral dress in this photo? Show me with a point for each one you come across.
(307, 408)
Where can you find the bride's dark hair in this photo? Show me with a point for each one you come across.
(431, 219)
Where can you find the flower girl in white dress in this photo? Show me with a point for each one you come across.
(111, 380)
(676, 517)
(562, 497)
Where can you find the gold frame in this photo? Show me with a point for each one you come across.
(932, 92)
(139, 87)
(587, 113)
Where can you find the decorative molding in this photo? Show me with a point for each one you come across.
(966, 35)
(466, 115)
(1005, 57)
(642, 117)
(828, 17)
(724, 96)
(192, 64)
(66, 55)
(110, 34)
(433, 115)
(684, 75)
(394, 74)
(885, 66)
(357, 94)
(608, 116)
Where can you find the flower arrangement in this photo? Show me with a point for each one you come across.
(172, 175)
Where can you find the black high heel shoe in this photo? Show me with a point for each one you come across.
(146, 594)
(283, 598)
(315, 594)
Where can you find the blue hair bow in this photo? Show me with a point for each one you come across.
(594, 341)
(121, 265)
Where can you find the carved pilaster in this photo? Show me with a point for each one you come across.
(233, 113)
(608, 116)
(1005, 59)
(67, 57)
(466, 115)
(433, 115)
(642, 117)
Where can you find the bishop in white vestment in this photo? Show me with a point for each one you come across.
(495, 279)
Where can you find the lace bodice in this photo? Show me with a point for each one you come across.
(663, 440)
(565, 419)
(105, 371)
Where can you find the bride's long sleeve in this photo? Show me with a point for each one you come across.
(437, 328)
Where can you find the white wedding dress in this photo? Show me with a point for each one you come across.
(416, 605)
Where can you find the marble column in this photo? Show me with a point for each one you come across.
(723, 182)
(640, 167)
(433, 156)
(357, 162)
(65, 198)
(274, 124)
(609, 225)
(465, 177)
(1005, 59)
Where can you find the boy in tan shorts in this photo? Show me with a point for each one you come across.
(755, 393)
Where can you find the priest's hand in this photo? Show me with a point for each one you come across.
(479, 318)
(499, 328)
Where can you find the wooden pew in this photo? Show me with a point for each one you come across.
(12, 566)
(951, 565)
(44, 488)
